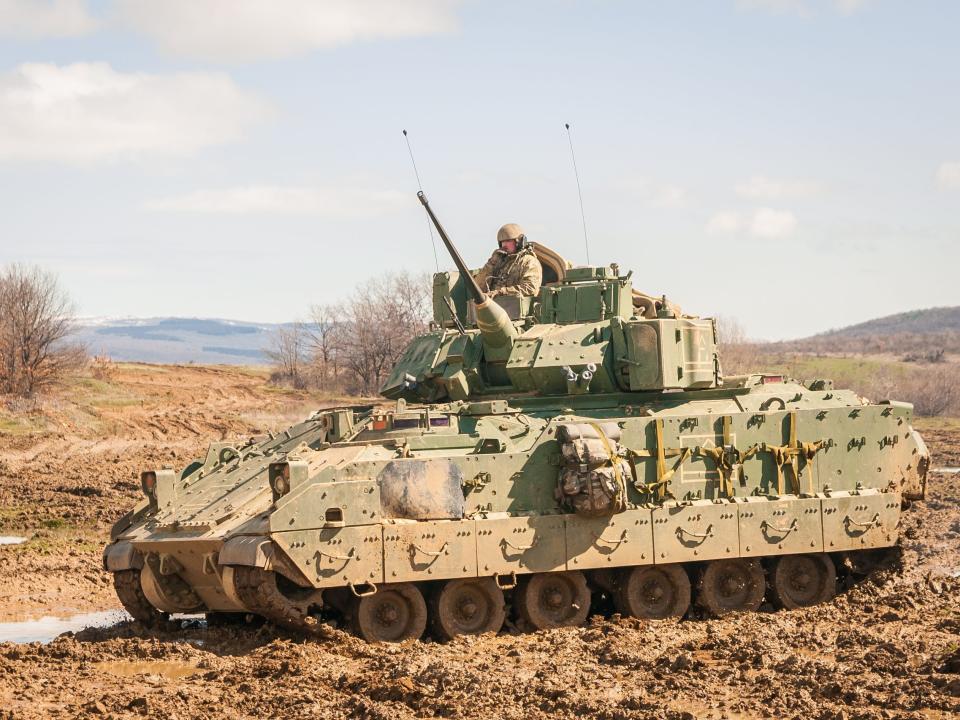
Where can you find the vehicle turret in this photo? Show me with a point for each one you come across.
(587, 331)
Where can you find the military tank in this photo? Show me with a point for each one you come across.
(532, 454)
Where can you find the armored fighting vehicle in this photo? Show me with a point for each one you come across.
(532, 454)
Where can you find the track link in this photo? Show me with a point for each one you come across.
(130, 592)
(257, 589)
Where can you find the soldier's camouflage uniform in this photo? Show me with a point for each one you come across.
(511, 274)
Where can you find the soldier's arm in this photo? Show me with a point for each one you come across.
(483, 276)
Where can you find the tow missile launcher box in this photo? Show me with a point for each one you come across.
(535, 453)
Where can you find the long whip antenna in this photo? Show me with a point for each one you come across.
(583, 217)
(433, 243)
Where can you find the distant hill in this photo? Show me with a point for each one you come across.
(931, 320)
(914, 332)
(232, 342)
(177, 340)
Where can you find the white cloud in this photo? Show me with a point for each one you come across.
(245, 30)
(769, 223)
(333, 201)
(90, 112)
(777, 6)
(948, 176)
(39, 18)
(763, 223)
(762, 188)
(802, 7)
(848, 7)
(656, 194)
(724, 223)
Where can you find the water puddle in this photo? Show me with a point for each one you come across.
(11, 540)
(169, 669)
(46, 629)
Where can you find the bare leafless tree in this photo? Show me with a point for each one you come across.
(376, 324)
(288, 352)
(36, 319)
(737, 353)
(729, 330)
(351, 347)
(323, 333)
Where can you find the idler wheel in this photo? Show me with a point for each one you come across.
(392, 614)
(653, 592)
(731, 585)
(168, 593)
(130, 592)
(803, 580)
(467, 607)
(552, 600)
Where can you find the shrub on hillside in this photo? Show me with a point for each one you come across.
(933, 391)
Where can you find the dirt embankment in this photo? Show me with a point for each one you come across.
(889, 647)
(70, 466)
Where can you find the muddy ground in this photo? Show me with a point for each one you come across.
(886, 648)
(70, 466)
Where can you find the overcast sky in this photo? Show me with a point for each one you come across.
(792, 163)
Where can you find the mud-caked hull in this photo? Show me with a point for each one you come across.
(450, 516)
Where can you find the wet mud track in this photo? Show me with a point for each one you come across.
(885, 649)
(888, 647)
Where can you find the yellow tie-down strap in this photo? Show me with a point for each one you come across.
(790, 454)
(727, 459)
(621, 498)
(658, 490)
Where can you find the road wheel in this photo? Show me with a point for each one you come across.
(653, 592)
(127, 585)
(552, 600)
(803, 580)
(467, 607)
(731, 585)
(392, 614)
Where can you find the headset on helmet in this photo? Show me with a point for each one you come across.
(512, 231)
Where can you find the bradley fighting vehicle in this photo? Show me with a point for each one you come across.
(535, 453)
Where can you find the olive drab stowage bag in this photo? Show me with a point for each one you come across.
(593, 473)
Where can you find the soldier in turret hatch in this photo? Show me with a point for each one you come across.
(513, 269)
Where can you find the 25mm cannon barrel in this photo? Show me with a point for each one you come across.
(492, 320)
(477, 295)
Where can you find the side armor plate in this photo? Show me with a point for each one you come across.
(780, 527)
(699, 531)
(623, 539)
(429, 550)
(521, 545)
(335, 557)
(858, 522)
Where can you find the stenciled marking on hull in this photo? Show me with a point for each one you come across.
(689, 472)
